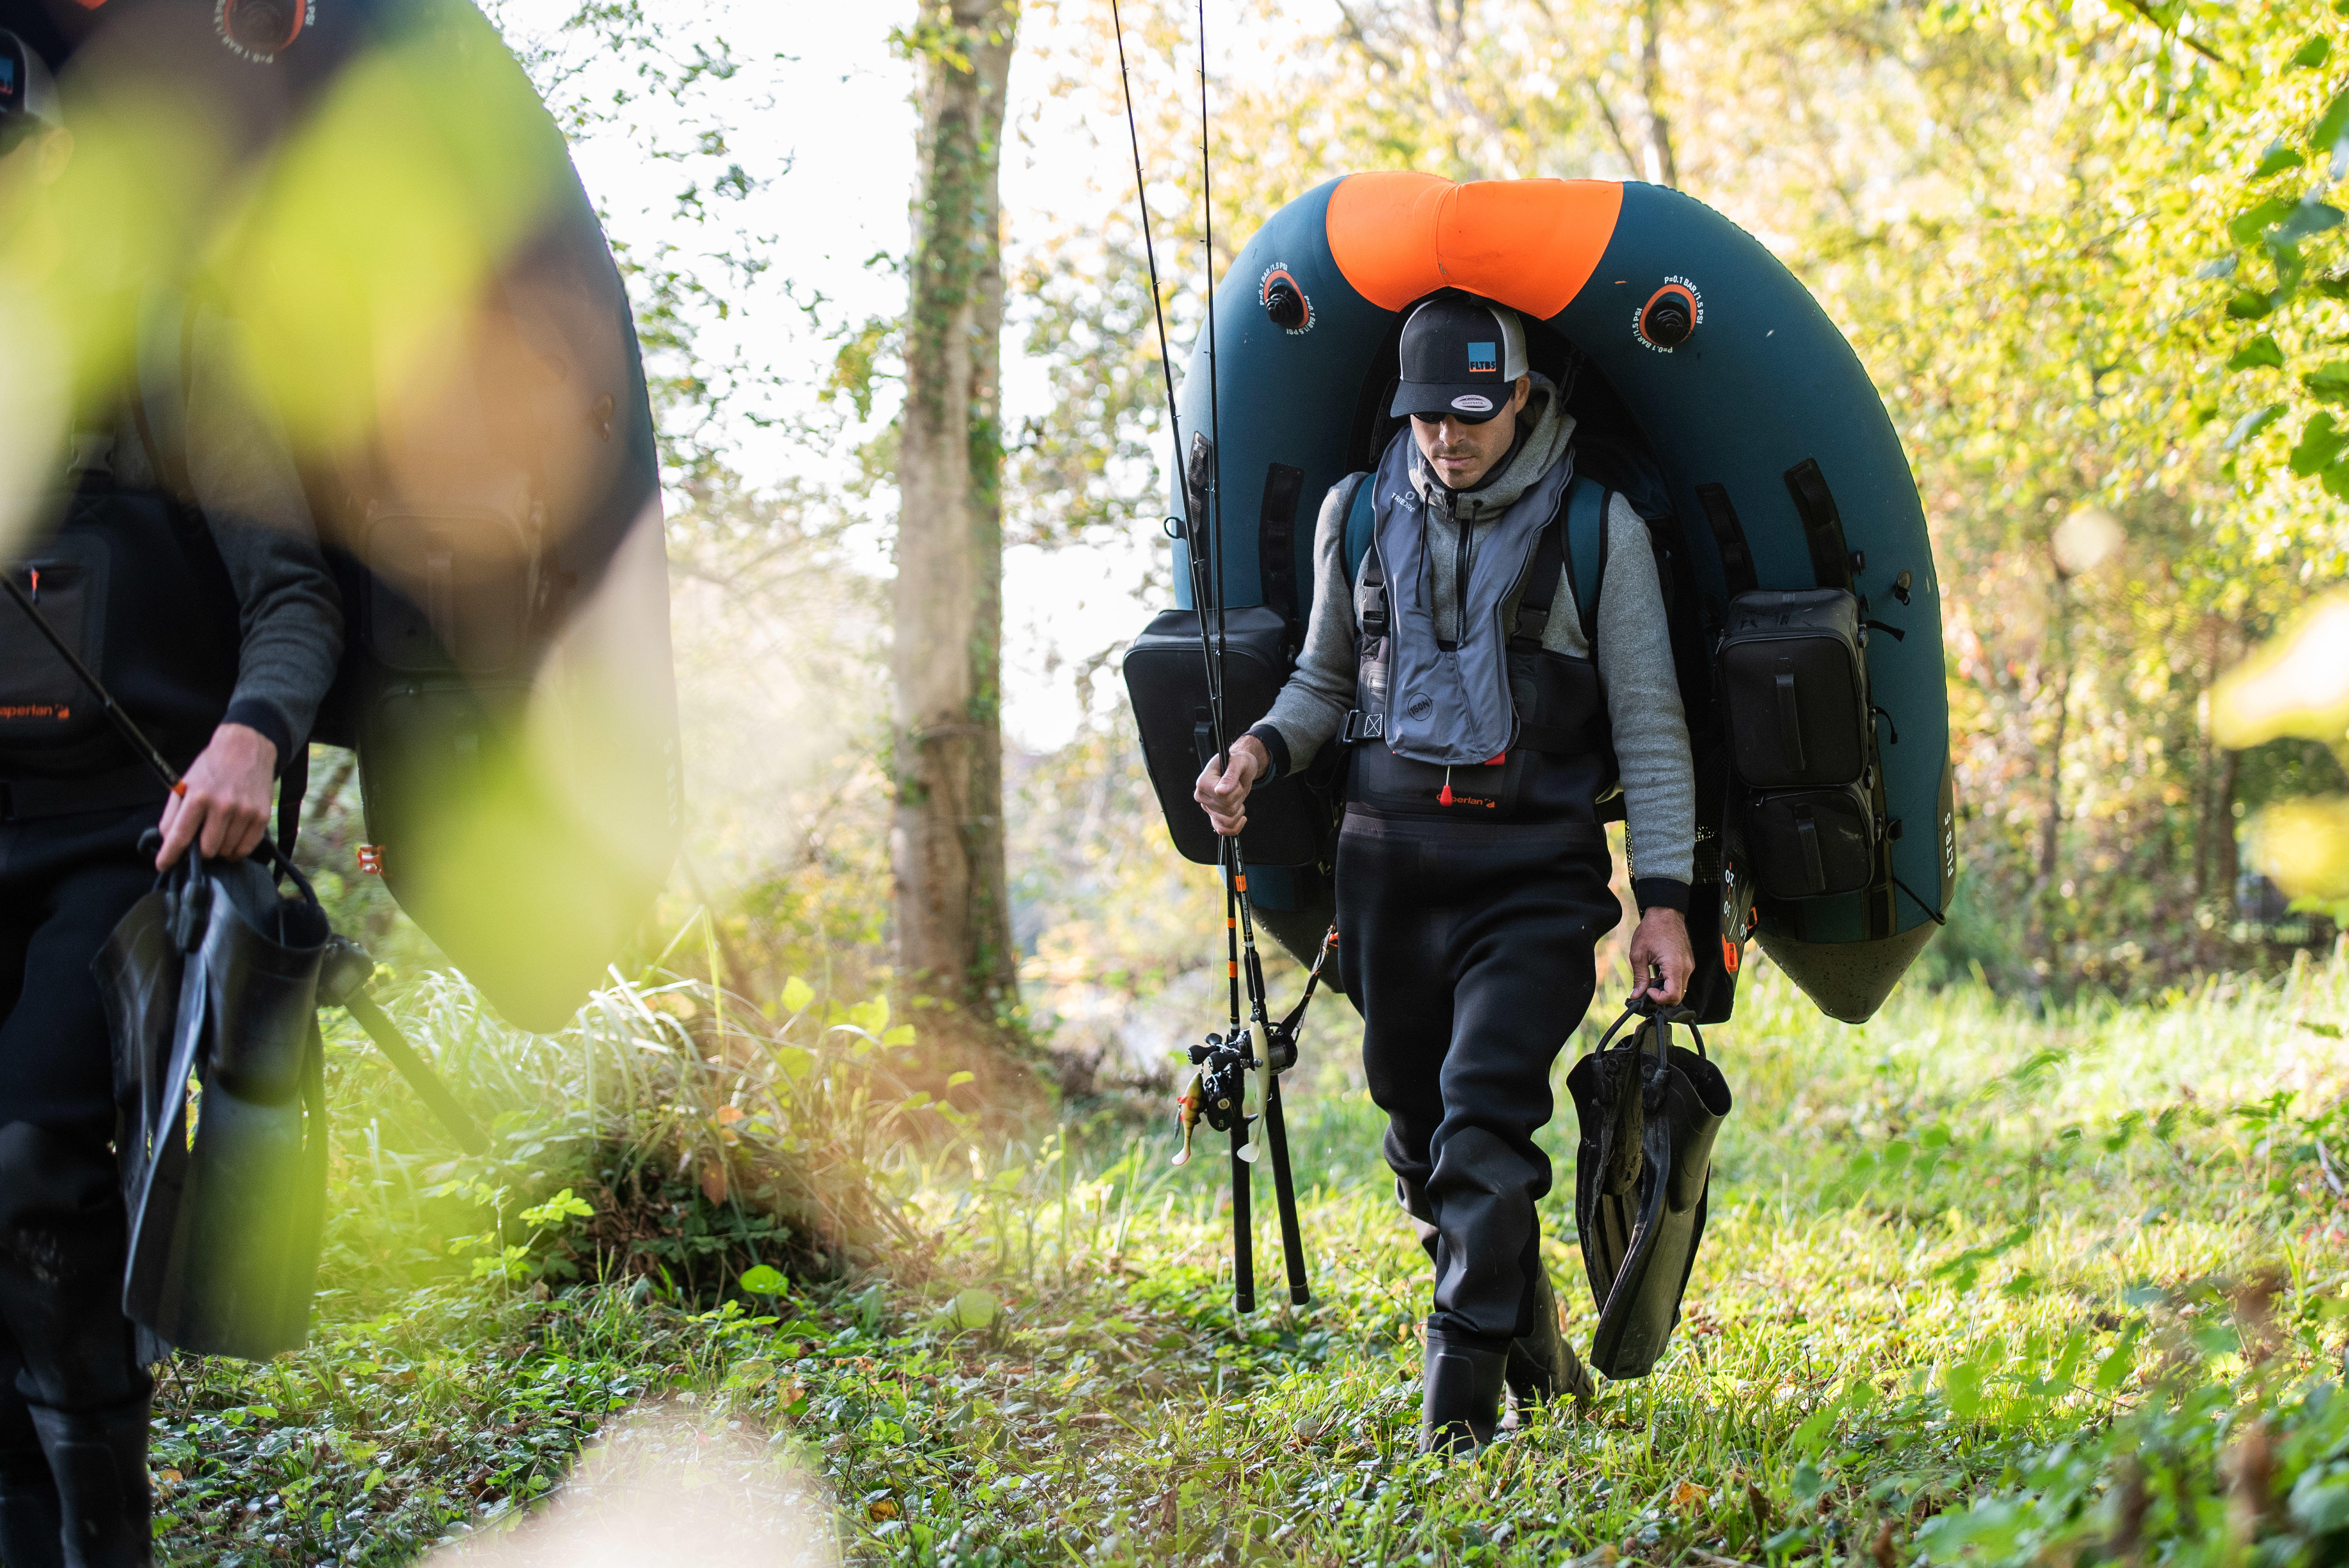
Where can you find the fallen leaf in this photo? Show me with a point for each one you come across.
(881, 1509)
(1687, 1494)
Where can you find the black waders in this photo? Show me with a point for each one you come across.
(1470, 945)
(73, 1388)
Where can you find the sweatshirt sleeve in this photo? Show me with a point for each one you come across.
(1643, 705)
(290, 614)
(1313, 705)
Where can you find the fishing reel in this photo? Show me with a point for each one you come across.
(1224, 1065)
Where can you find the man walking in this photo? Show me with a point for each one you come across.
(1473, 874)
(178, 553)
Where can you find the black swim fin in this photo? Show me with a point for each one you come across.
(1649, 1112)
(212, 982)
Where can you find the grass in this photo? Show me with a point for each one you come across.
(1980, 1285)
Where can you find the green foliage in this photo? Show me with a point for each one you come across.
(1979, 1284)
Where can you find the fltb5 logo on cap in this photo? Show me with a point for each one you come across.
(1483, 358)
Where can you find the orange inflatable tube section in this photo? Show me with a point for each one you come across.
(1529, 243)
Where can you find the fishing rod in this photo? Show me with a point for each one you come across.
(1250, 1054)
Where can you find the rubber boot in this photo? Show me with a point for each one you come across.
(31, 1520)
(99, 1459)
(1542, 1366)
(1460, 1407)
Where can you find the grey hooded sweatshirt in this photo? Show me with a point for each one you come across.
(1634, 656)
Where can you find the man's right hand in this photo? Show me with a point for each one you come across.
(1224, 784)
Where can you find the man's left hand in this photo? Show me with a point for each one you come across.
(225, 809)
(1661, 958)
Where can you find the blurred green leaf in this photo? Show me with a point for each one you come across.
(2329, 381)
(2314, 52)
(797, 994)
(2252, 424)
(2259, 353)
(2320, 442)
(2333, 124)
(2253, 222)
(2250, 305)
(2278, 159)
(2307, 221)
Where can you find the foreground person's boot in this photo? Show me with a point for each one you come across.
(31, 1520)
(76, 1367)
(1542, 1366)
(1460, 1407)
(99, 1459)
(102, 1484)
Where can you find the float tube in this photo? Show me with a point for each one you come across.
(1669, 324)
(449, 343)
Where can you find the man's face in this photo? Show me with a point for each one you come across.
(1461, 454)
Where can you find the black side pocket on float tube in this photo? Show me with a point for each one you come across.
(1811, 843)
(1795, 682)
(1288, 823)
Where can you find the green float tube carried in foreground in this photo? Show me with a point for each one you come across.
(374, 192)
(1760, 454)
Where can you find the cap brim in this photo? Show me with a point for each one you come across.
(1431, 400)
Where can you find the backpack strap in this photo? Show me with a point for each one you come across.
(1588, 504)
(1361, 520)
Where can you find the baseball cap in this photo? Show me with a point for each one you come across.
(1461, 356)
(27, 92)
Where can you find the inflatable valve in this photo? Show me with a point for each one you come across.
(1284, 301)
(1670, 318)
(261, 27)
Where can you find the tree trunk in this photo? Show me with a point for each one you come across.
(954, 924)
(1662, 168)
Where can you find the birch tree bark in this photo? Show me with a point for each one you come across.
(954, 926)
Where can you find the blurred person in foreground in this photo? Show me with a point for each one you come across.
(1472, 873)
(174, 523)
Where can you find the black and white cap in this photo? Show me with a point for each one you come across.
(1461, 357)
(27, 91)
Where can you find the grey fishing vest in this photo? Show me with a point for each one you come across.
(1496, 726)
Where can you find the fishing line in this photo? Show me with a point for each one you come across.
(1149, 253)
